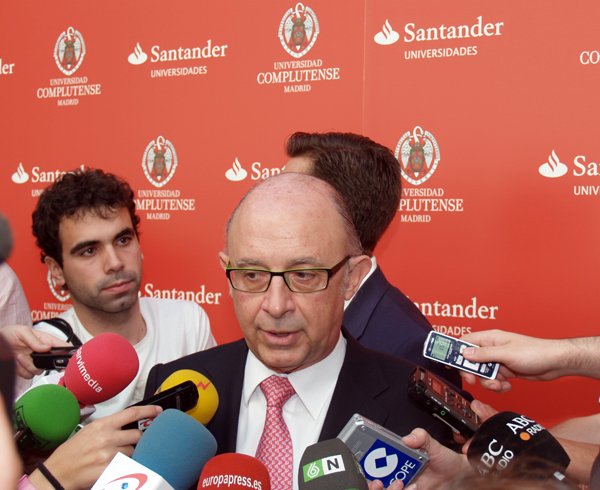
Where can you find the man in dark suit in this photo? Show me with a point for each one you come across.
(367, 175)
(292, 257)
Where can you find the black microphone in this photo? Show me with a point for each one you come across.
(330, 465)
(6, 241)
(512, 443)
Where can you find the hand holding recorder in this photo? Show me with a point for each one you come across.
(531, 358)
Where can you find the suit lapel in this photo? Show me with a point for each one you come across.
(228, 378)
(359, 383)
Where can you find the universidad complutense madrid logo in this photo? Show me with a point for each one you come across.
(160, 161)
(69, 51)
(418, 154)
(298, 30)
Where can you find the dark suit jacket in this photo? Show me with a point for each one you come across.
(370, 383)
(382, 318)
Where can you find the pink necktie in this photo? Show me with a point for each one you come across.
(275, 446)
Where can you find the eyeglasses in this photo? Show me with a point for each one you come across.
(297, 280)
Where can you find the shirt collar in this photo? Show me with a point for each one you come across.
(310, 385)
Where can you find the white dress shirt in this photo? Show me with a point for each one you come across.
(304, 413)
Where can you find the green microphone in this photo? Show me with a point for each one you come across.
(44, 417)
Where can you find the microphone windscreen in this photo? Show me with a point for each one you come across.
(101, 368)
(330, 465)
(51, 412)
(177, 447)
(236, 472)
(512, 441)
(6, 241)
(208, 398)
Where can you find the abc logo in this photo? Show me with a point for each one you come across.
(379, 464)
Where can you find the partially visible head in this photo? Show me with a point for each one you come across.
(365, 173)
(74, 195)
(86, 226)
(293, 221)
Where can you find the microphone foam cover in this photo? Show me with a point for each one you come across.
(101, 368)
(50, 411)
(234, 471)
(509, 440)
(330, 465)
(177, 447)
(208, 400)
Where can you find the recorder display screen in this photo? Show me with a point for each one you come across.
(440, 348)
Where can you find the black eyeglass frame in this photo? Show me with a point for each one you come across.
(330, 272)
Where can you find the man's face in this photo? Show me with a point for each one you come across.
(289, 331)
(102, 261)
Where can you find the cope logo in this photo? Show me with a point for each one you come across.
(59, 294)
(159, 162)
(69, 51)
(298, 30)
(419, 155)
(386, 463)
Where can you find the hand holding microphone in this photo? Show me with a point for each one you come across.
(24, 340)
(79, 462)
(170, 455)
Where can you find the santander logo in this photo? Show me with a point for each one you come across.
(553, 168)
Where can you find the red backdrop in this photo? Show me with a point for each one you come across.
(503, 96)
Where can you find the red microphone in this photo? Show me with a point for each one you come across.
(234, 471)
(101, 368)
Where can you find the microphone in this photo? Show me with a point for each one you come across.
(330, 465)
(44, 417)
(6, 242)
(208, 400)
(170, 455)
(236, 472)
(101, 368)
(509, 442)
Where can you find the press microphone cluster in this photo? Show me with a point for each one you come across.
(170, 455)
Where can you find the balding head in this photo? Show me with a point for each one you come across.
(283, 190)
